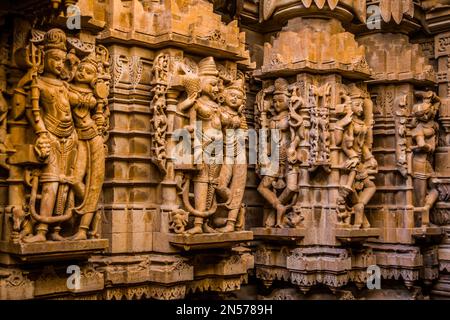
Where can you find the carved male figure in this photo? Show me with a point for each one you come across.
(56, 143)
(205, 109)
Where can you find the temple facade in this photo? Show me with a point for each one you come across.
(244, 149)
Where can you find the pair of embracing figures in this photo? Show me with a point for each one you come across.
(69, 121)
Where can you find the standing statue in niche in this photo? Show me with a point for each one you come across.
(233, 174)
(69, 117)
(56, 145)
(353, 135)
(284, 181)
(204, 108)
(424, 137)
(88, 96)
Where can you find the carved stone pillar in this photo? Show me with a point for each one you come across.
(437, 20)
(161, 91)
(317, 196)
(401, 70)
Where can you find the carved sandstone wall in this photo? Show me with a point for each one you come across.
(125, 149)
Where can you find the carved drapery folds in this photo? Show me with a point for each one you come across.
(58, 128)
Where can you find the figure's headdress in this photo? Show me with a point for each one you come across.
(237, 85)
(91, 60)
(207, 67)
(355, 92)
(281, 86)
(432, 103)
(55, 39)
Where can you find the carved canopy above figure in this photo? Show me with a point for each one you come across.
(389, 9)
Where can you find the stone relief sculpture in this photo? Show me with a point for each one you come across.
(88, 95)
(67, 113)
(275, 181)
(214, 109)
(320, 126)
(424, 142)
(353, 135)
(3, 110)
(279, 184)
(204, 109)
(305, 145)
(159, 119)
(233, 174)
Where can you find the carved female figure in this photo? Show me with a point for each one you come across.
(352, 134)
(233, 174)
(90, 165)
(424, 135)
(284, 179)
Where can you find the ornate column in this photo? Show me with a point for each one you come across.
(402, 91)
(174, 65)
(437, 22)
(315, 97)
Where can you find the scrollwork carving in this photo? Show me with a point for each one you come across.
(159, 122)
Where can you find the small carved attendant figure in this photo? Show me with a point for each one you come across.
(204, 109)
(233, 174)
(90, 165)
(352, 134)
(424, 134)
(283, 179)
(51, 118)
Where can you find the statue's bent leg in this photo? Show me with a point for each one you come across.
(430, 200)
(49, 192)
(80, 170)
(272, 198)
(237, 187)
(420, 192)
(291, 187)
